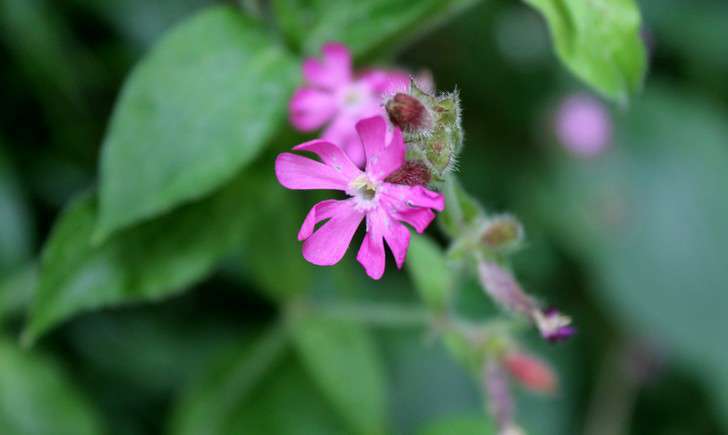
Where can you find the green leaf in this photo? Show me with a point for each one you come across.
(193, 113)
(275, 262)
(208, 405)
(460, 426)
(343, 360)
(599, 41)
(16, 223)
(37, 398)
(650, 216)
(148, 262)
(429, 270)
(311, 23)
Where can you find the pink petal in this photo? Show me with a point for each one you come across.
(322, 210)
(382, 158)
(372, 132)
(371, 255)
(332, 71)
(332, 156)
(342, 132)
(384, 82)
(398, 238)
(302, 173)
(413, 196)
(389, 159)
(309, 108)
(419, 218)
(380, 227)
(327, 245)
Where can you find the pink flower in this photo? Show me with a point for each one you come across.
(384, 205)
(332, 95)
(583, 125)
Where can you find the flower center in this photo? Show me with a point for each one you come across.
(364, 190)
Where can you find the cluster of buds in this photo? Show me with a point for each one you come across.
(432, 131)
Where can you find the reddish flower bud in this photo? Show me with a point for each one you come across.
(408, 113)
(412, 173)
(531, 372)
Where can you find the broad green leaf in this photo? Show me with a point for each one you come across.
(37, 398)
(275, 261)
(429, 270)
(460, 426)
(148, 262)
(650, 218)
(343, 360)
(194, 112)
(16, 226)
(599, 41)
(209, 403)
(363, 25)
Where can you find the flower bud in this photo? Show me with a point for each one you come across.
(531, 372)
(512, 429)
(502, 286)
(412, 173)
(500, 401)
(431, 127)
(408, 113)
(553, 325)
(503, 233)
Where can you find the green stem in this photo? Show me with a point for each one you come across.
(383, 315)
(453, 204)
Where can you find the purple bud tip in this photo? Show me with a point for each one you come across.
(553, 325)
(408, 113)
(411, 174)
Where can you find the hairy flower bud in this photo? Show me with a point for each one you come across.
(503, 233)
(431, 127)
(502, 286)
(412, 173)
(408, 113)
(531, 372)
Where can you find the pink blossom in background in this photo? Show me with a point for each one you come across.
(384, 206)
(335, 97)
(583, 125)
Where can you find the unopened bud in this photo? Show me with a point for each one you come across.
(431, 126)
(553, 325)
(412, 173)
(500, 401)
(408, 113)
(531, 372)
(502, 286)
(503, 233)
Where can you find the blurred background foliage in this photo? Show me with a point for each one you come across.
(631, 242)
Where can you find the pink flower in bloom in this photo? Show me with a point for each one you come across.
(384, 205)
(583, 125)
(332, 95)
